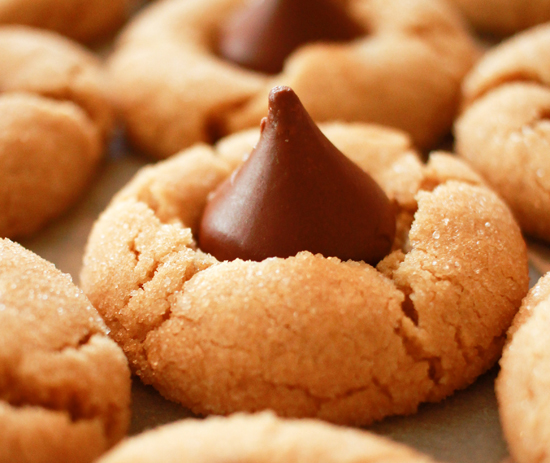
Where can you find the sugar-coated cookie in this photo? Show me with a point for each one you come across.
(309, 336)
(504, 130)
(524, 379)
(504, 17)
(82, 20)
(64, 385)
(259, 438)
(55, 119)
(173, 90)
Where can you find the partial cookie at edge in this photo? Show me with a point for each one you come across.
(56, 119)
(64, 386)
(261, 438)
(504, 130)
(524, 379)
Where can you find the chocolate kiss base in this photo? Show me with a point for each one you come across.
(297, 192)
(261, 36)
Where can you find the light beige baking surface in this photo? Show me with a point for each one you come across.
(463, 428)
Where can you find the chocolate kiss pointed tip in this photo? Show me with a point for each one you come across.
(263, 34)
(288, 120)
(297, 192)
(285, 106)
(281, 91)
(282, 96)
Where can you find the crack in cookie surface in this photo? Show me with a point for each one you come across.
(33, 379)
(482, 308)
(156, 260)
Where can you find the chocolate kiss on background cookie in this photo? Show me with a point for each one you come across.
(297, 192)
(263, 34)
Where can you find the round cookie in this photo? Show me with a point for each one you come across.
(504, 130)
(173, 90)
(55, 120)
(259, 438)
(309, 336)
(82, 20)
(504, 17)
(524, 379)
(64, 386)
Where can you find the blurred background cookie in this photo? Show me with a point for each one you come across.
(64, 386)
(55, 122)
(82, 20)
(504, 130)
(173, 87)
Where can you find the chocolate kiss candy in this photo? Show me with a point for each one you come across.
(262, 35)
(297, 192)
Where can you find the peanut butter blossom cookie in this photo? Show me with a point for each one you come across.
(524, 380)
(292, 317)
(186, 71)
(64, 385)
(55, 119)
(504, 130)
(259, 438)
(82, 20)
